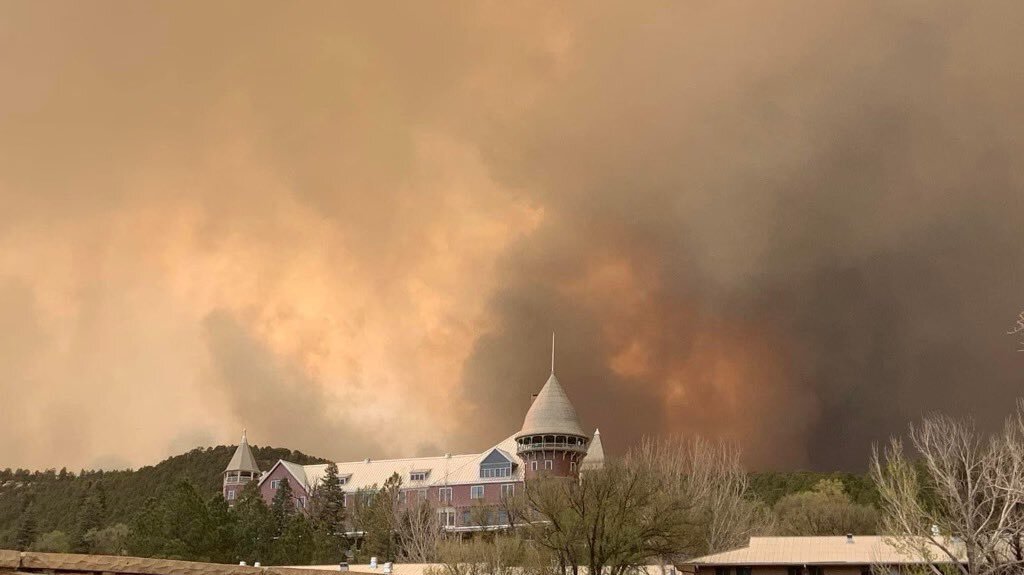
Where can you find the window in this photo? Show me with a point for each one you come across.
(444, 494)
(343, 479)
(465, 517)
(496, 471)
(403, 497)
(549, 464)
(422, 494)
(275, 484)
(502, 517)
(508, 489)
(533, 465)
(418, 475)
(446, 517)
(231, 495)
(300, 502)
(497, 463)
(344, 501)
(476, 492)
(743, 570)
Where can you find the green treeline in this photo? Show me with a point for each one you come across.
(175, 510)
(92, 511)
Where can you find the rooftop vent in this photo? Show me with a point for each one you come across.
(849, 537)
(367, 460)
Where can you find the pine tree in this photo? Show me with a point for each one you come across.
(27, 530)
(327, 511)
(297, 544)
(186, 523)
(222, 529)
(90, 516)
(379, 521)
(328, 502)
(254, 526)
(282, 507)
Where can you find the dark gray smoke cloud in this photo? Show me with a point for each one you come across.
(352, 229)
(832, 190)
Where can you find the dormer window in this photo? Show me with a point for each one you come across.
(343, 479)
(419, 475)
(496, 464)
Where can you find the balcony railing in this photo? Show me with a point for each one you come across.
(551, 445)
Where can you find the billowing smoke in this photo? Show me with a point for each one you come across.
(352, 229)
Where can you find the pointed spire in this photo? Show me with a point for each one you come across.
(243, 459)
(552, 353)
(595, 453)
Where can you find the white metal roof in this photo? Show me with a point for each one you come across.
(243, 459)
(595, 452)
(444, 470)
(831, 550)
(552, 412)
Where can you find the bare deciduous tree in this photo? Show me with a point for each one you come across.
(667, 498)
(504, 555)
(711, 478)
(960, 501)
(419, 532)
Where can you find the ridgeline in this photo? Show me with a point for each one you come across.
(77, 502)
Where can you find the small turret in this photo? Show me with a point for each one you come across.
(240, 470)
(595, 453)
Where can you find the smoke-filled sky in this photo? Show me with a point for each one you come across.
(352, 226)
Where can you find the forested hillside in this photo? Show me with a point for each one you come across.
(74, 503)
(174, 510)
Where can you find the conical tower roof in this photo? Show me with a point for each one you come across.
(551, 412)
(243, 459)
(595, 452)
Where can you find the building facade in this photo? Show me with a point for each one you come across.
(467, 490)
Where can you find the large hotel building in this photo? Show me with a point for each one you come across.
(551, 442)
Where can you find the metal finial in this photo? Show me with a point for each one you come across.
(552, 353)
(243, 436)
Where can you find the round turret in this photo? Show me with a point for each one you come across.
(240, 470)
(552, 441)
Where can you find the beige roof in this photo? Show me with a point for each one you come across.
(832, 550)
(595, 452)
(243, 459)
(423, 568)
(551, 412)
(443, 470)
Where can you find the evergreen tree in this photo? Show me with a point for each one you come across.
(174, 526)
(328, 502)
(282, 507)
(254, 526)
(222, 530)
(297, 544)
(27, 530)
(186, 523)
(146, 539)
(90, 516)
(379, 521)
